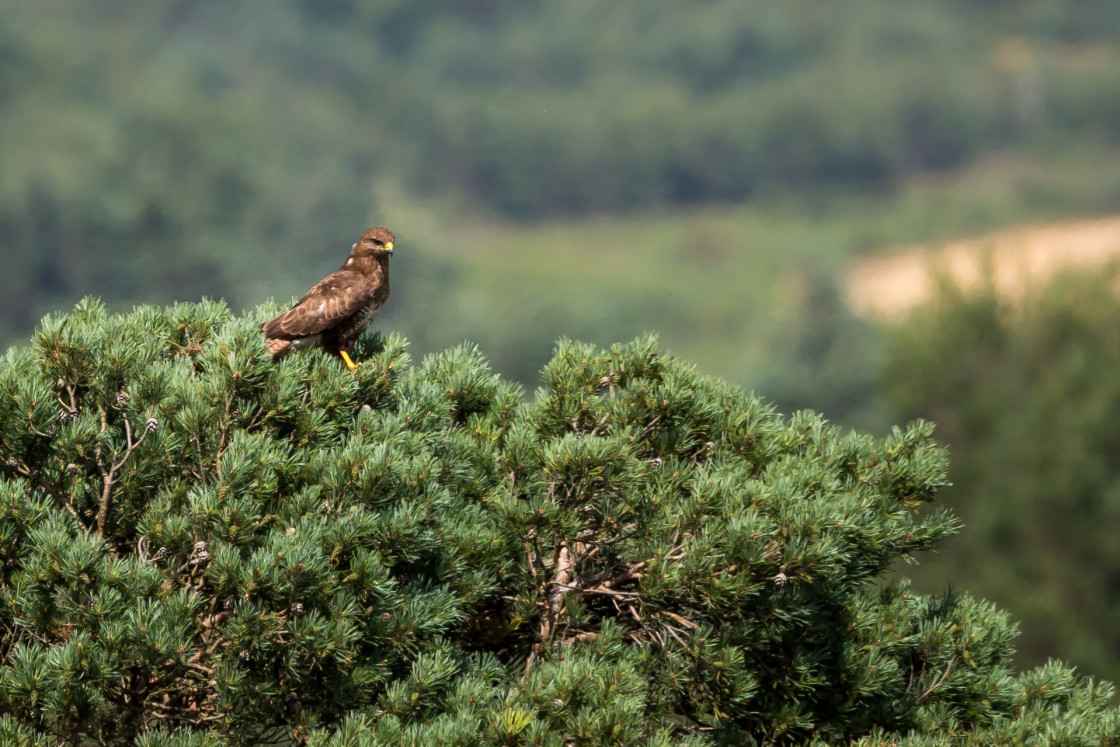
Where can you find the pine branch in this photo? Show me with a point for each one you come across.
(36, 479)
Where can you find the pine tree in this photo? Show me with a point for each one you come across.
(204, 546)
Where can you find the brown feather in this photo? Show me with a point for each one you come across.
(333, 299)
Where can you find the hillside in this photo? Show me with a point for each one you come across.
(176, 149)
(1013, 262)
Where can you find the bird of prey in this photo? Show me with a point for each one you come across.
(335, 312)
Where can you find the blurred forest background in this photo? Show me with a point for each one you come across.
(707, 168)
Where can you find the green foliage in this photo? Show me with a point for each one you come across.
(203, 545)
(1029, 400)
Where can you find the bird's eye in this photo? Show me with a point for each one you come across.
(378, 242)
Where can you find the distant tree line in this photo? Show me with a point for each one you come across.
(1027, 397)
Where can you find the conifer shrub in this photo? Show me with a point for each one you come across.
(205, 546)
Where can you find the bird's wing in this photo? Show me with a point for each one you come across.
(333, 299)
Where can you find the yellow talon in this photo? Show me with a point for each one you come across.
(346, 359)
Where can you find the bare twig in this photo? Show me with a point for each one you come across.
(224, 434)
(910, 682)
(681, 620)
(109, 473)
(602, 422)
(533, 560)
(634, 573)
(72, 407)
(675, 633)
(935, 685)
(563, 565)
(596, 590)
(677, 553)
(645, 431)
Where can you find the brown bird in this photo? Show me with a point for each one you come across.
(334, 313)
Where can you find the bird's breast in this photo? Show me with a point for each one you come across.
(363, 318)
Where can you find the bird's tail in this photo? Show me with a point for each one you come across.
(277, 347)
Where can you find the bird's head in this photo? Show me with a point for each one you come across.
(375, 241)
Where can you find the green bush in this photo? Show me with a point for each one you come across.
(203, 545)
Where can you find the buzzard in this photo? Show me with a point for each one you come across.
(335, 312)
